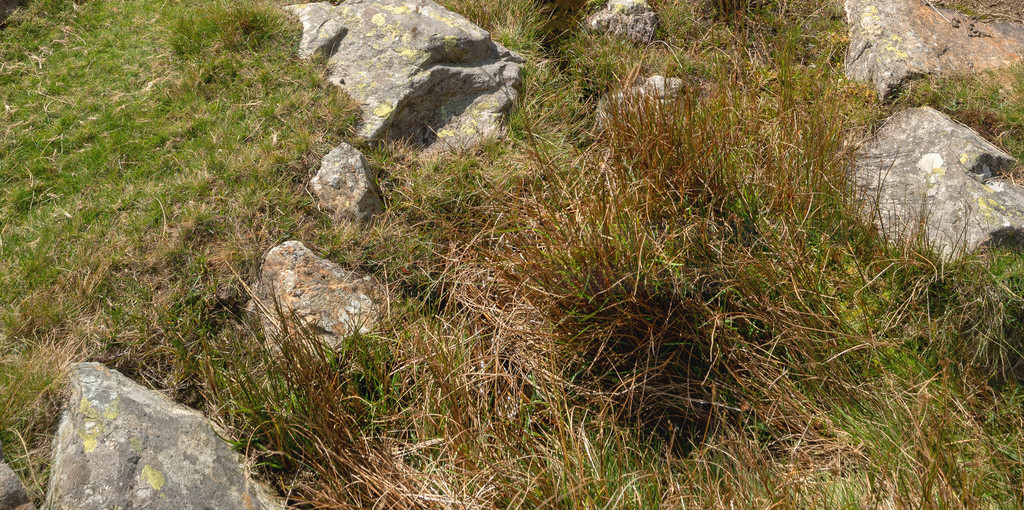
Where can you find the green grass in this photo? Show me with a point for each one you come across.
(680, 307)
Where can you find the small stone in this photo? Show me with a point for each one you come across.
(925, 170)
(652, 88)
(332, 302)
(120, 445)
(421, 73)
(632, 19)
(895, 40)
(345, 185)
(12, 492)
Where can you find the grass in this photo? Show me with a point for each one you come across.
(678, 306)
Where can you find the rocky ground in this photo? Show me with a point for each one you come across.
(660, 254)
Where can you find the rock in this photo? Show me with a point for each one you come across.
(632, 19)
(321, 31)
(120, 445)
(332, 302)
(924, 170)
(421, 73)
(345, 185)
(655, 87)
(12, 492)
(895, 40)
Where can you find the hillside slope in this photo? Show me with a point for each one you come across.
(671, 303)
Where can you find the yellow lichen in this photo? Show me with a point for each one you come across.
(93, 422)
(891, 46)
(410, 53)
(401, 9)
(383, 110)
(153, 477)
(379, 19)
(110, 412)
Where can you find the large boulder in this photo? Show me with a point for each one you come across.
(345, 185)
(121, 445)
(12, 492)
(924, 170)
(422, 73)
(632, 19)
(329, 301)
(894, 40)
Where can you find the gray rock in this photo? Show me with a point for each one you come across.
(121, 445)
(895, 40)
(632, 19)
(12, 492)
(345, 185)
(652, 88)
(321, 30)
(924, 170)
(421, 73)
(330, 301)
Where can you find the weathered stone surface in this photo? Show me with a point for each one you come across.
(924, 170)
(632, 19)
(652, 88)
(327, 299)
(123, 446)
(894, 40)
(321, 32)
(422, 73)
(12, 492)
(345, 185)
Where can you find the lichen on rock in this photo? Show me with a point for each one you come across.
(325, 298)
(632, 19)
(422, 74)
(121, 445)
(892, 41)
(923, 170)
(345, 185)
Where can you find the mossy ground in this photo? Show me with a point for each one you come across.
(680, 309)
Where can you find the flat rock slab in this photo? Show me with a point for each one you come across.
(632, 19)
(329, 300)
(925, 170)
(422, 74)
(123, 446)
(345, 185)
(895, 40)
